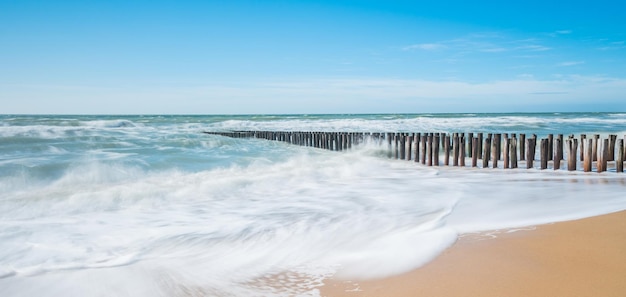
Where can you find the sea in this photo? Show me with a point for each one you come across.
(149, 205)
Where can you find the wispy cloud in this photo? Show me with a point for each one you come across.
(534, 48)
(563, 32)
(615, 45)
(425, 46)
(570, 63)
(493, 43)
(494, 50)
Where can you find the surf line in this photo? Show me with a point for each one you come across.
(494, 150)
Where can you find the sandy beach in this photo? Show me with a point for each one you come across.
(576, 258)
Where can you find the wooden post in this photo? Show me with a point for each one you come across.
(506, 155)
(600, 158)
(530, 152)
(624, 154)
(436, 150)
(498, 150)
(389, 141)
(396, 148)
(418, 138)
(470, 144)
(557, 154)
(612, 140)
(423, 149)
(619, 162)
(605, 153)
(430, 149)
(596, 137)
(446, 149)
(409, 144)
(486, 152)
(572, 145)
(588, 156)
(495, 143)
(582, 147)
(350, 140)
(402, 146)
(480, 144)
(550, 147)
(462, 151)
(474, 151)
(338, 141)
(559, 148)
(522, 151)
(544, 148)
(513, 151)
(455, 145)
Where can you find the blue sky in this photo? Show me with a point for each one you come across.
(213, 57)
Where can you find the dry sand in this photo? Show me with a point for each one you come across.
(577, 258)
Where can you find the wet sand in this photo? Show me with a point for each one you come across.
(577, 258)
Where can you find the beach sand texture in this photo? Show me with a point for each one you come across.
(577, 258)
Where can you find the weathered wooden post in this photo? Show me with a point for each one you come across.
(351, 140)
(603, 154)
(418, 139)
(557, 156)
(522, 151)
(506, 161)
(596, 138)
(588, 155)
(544, 147)
(474, 151)
(574, 147)
(480, 144)
(402, 140)
(513, 151)
(559, 148)
(446, 148)
(462, 151)
(583, 137)
(455, 145)
(436, 150)
(396, 148)
(470, 144)
(486, 152)
(409, 144)
(550, 147)
(495, 144)
(423, 148)
(530, 152)
(624, 154)
(498, 149)
(612, 140)
(430, 149)
(619, 163)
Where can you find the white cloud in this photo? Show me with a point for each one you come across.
(563, 32)
(425, 46)
(534, 48)
(570, 63)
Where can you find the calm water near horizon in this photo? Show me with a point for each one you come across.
(148, 205)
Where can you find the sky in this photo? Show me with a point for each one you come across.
(277, 57)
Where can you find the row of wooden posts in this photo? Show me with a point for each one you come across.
(490, 148)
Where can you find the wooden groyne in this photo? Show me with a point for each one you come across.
(491, 149)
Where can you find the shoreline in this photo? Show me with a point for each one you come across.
(585, 257)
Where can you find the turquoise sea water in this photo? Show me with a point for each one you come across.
(151, 206)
